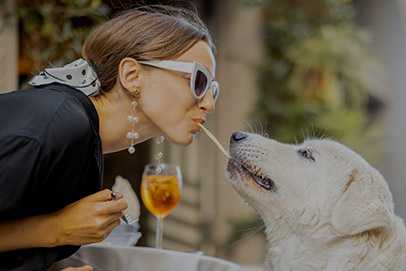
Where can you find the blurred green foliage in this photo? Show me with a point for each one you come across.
(52, 32)
(313, 80)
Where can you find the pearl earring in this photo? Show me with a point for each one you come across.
(133, 119)
(158, 156)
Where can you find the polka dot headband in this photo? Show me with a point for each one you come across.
(78, 74)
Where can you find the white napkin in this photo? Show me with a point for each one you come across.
(123, 186)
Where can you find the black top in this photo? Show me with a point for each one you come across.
(50, 156)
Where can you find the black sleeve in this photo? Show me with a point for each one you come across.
(18, 172)
(22, 170)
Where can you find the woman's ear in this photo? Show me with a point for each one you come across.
(129, 73)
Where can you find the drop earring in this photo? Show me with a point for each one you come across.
(133, 119)
(158, 156)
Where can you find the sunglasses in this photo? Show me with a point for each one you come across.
(200, 79)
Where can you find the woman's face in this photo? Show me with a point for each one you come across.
(167, 102)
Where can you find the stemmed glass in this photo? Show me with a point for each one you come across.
(161, 187)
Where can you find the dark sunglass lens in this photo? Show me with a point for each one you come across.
(215, 89)
(215, 92)
(200, 83)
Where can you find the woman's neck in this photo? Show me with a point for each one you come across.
(113, 108)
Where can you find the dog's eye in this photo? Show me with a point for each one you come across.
(306, 154)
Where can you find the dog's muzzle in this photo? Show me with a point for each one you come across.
(245, 168)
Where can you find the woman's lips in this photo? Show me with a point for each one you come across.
(197, 127)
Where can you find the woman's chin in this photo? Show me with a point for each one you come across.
(183, 142)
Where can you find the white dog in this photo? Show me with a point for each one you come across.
(324, 207)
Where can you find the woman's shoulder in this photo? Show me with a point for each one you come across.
(37, 113)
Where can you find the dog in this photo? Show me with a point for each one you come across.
(324, 207)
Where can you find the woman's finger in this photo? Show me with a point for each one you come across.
(112, 218)
(104, 195)
(116, 195)
(112, 225)
(109, 227)
(118, 206)
(115, 206)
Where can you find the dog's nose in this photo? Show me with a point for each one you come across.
(238, 136)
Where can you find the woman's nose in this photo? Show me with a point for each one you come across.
(207, 103)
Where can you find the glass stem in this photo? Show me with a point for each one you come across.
(158, 238)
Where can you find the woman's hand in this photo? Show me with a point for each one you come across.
(89, 220)
(85, 221)
(83, 268)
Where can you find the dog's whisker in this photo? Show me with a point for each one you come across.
(325, 131)
(259, 130)
(259, 226)
(303, 135)
(250, 126)
(254, 231)
(266, 131)
(313, 131)
(256, 228)
(262, 128)
(321, 134)
(317, 132)
(255, 128)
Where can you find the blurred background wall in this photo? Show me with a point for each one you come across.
(387, 23)
(211, 217)
(8, 49)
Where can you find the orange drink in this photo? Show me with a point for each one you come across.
(160, 194)
(160, 190)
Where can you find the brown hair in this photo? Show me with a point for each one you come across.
(143, 33)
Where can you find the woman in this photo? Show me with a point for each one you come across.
(150, 74)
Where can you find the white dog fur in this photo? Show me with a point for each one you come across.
(323, 205)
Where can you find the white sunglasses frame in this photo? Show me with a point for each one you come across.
(192, 68)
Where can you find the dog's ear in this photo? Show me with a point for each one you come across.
(365, 204)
